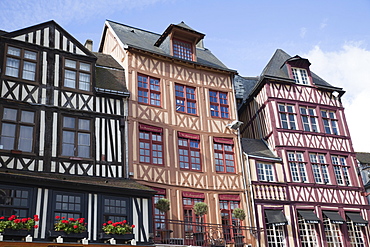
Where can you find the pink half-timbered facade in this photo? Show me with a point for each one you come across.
(301, 166)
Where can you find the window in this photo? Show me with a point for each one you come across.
(185, 99)
(340, 170)
(227, 207)
(192, 222)
(159, 216)
(15, 201)
(76, 137)
(77, 75)
(219, 104)
(115, 209)
(182, 49)
(287, 116)
(189, 151)
(356, 236)
(265, 172)
(68, 205)
(224, 155)
(21, 63)
(309, 119)
(332, 233)
(330, 122)
(17, 129)
(275, 235)
(151, 144)
(149, 91)
(307, 233)
(297, 167)
(300, 76)
(319, 168)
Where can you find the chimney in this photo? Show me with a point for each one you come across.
(89, 44)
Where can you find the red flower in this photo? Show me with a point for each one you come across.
(63, 217)
(75, 226)
(2, 217)
(71, 219)
(104, 224)
(57, 217)
(110, 222)
(133, 226)
(36, 226)
(24, 220)
(81, 221)
(124, 222)
(29, 218)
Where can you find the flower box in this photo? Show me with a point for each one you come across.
(10, 234)
(71, 237)
(121, 238)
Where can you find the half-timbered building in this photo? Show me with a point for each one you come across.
(299, 158)
(182, 102)
(63, 126)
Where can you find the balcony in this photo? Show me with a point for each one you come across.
(174, 232)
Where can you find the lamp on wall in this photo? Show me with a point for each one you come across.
(335, 94)
(234, 125)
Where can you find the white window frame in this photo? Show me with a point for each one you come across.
(265, 172)
(297, 167)
(330, 122)
(333, 233)
(355, 234)
(300, 75)
(309, 237)
(275, 235)
(340, 170)
(309, 119)
(287, 116)
(319, 168)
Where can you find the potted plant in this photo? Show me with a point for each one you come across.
(121, 231)
(200, 209)
(70, 229)
(239, 214)
(163, 205)
(16, 228)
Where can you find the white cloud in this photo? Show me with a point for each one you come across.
(348, 68)
(324, 23)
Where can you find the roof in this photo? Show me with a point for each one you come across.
(244, 85)
(364, 158)
(276, 69)
(110, 76)
(2, 32)
(146, 40)
(85, 183)
(257, 147)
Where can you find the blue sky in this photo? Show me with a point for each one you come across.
(333, 34)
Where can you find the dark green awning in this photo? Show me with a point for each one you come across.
(276, 217)
(334, 217)
(309, 216)
(356, 218)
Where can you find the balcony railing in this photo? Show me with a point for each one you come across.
(196, 234)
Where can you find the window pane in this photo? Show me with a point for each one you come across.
(7, 136)
(30, 55)
(27, 117)
(12, 67)
(68, 143)
(85, 66)
(70, 63)
(14, 51)
(69, 122)
(84, 124)
(84, 83)
(70, 78)
(10, 114)
(25, 138)
(29, 71)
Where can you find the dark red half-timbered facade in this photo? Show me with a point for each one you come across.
(63, 135)
(301, 166)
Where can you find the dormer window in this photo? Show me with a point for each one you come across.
(300, 76)
(182, 49)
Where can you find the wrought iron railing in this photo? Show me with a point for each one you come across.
(203, 234)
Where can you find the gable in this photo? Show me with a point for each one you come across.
(50, 35)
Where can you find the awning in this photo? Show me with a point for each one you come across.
(276, 217)
(309, 216)
(334, 217)
(357, 219)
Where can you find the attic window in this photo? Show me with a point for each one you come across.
(300, 76)
(182, 49)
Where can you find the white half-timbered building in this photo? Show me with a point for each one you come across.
(300, 164)
(63, 134)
